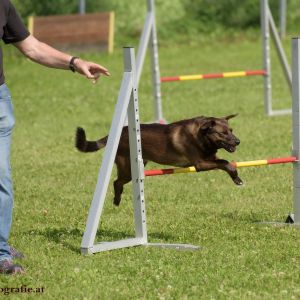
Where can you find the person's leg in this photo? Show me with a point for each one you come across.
(7, 122)
(6, 192)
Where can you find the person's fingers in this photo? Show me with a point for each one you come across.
(91, 70)
(95, 68)
(95, 78)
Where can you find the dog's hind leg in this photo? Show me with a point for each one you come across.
(124, 176)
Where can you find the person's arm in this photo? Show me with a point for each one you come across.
(48, 56)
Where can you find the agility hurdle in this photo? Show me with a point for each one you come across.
(293, 218)
(214, 75)
(252, 163)
(267, 26)
(127, 104)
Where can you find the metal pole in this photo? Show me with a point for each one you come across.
(136, 158)
(108, 161)
(127, 102)
(155, 65)
(144, 42)
(82, 7)
(282, 18)
(280, 51)
(296, 126)
(264, 13)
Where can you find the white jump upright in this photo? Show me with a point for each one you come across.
(295, 216)
(282, 18)
(127, 104)
(149, 38)
(267, 26)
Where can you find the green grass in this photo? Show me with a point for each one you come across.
(54, 185)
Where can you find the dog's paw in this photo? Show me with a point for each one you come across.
(117, 201)
(238, 181)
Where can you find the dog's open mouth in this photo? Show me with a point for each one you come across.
(227, 147)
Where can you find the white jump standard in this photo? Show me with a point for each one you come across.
(149, 38)
(127, 104)
(295, 216)
(267, 24)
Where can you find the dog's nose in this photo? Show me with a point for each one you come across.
(237, 141)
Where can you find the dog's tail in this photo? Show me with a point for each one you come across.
(88, 146)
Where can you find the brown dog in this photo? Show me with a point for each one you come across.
(192, 142)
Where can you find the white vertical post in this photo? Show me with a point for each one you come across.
(144, 42)
(296, 125)
(136, 159)
(264, 13)
(81, 8)
(127, 103)
(280, 51)
(108, 159)
(155, 65)
(282, 18)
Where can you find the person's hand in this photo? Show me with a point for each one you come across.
(91, 70)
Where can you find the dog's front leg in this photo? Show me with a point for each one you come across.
(221, 164)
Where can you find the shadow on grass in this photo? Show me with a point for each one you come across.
(251, 218)
(62, 235)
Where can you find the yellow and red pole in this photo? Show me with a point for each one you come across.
(252, 163)
(214, 75)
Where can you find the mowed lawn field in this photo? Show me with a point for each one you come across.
(54, 185)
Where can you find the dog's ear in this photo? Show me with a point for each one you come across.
(207, 125)
(230, 117)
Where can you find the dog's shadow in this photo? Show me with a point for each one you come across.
(62, 236)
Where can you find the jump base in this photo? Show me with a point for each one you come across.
(106, 246)
(288, 222)
(280, 112)
(182, 247)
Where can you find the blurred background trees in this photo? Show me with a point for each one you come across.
(174, 17)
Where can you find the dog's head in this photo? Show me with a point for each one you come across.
(219, 134)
